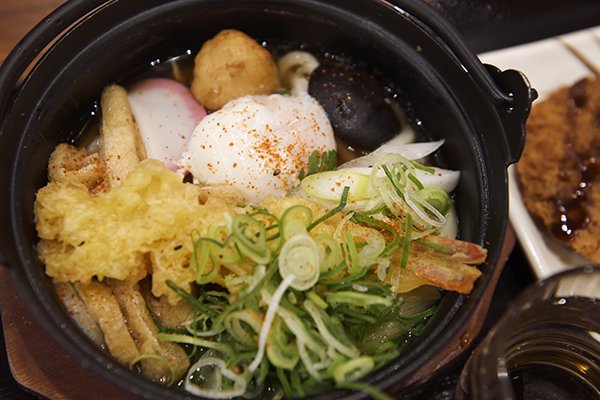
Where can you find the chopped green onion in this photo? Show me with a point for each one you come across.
(297, 211)
(351, 254)
(194, 302)
(149, 356)
(392, 181)
(279, 352)
(358, 299)
(285, 384)
(437, 197)
(415, 181)
(338, 321)
(348, 279)
(332, 273)
(407, 239)
(358, 315)
(353, 369)
(202, 257)
(372, 391)
(215, 390)
(434, 246)
(299, 258)
(209, 344)
(268, 321)
(296, 384)
(330, 251)
(425, 213)
(308, 362)
(333, 211)
(366, 220)
(317, 300)
(319, 317)
(422, 315)
(251, 236)
(234, 325)
(374, 244)
(232, 307)
(302, 333)
(422, 167)
(227, 254)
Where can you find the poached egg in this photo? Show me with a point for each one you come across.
(258, 144)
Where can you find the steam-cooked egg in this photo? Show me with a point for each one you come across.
(258, 144)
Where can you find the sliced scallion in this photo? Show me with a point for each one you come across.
(358, 299)
(209, 344)
(333, 211)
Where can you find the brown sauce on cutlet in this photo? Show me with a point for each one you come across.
(571, 212)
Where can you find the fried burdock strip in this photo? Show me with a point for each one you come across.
(72, 165)
(79, 311)
(121, 145)
(172, 361)
(104, 308)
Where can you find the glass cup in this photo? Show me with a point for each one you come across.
(547, 346)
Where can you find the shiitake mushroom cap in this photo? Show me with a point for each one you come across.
(356, 103)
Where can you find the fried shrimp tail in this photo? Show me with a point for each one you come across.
(438, 261)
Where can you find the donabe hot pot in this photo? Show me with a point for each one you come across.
(53, 78)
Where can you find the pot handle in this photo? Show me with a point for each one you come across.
(12, 72)
(509, 90)
(513, 114)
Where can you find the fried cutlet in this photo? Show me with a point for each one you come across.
(559, 170)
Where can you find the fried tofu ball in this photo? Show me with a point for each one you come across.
(232, 65)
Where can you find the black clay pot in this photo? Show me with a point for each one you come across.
(479, 111)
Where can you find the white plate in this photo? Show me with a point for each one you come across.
(548, 64)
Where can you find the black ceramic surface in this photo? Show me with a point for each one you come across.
(453, 95)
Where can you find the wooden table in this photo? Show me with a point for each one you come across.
(17, 17)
